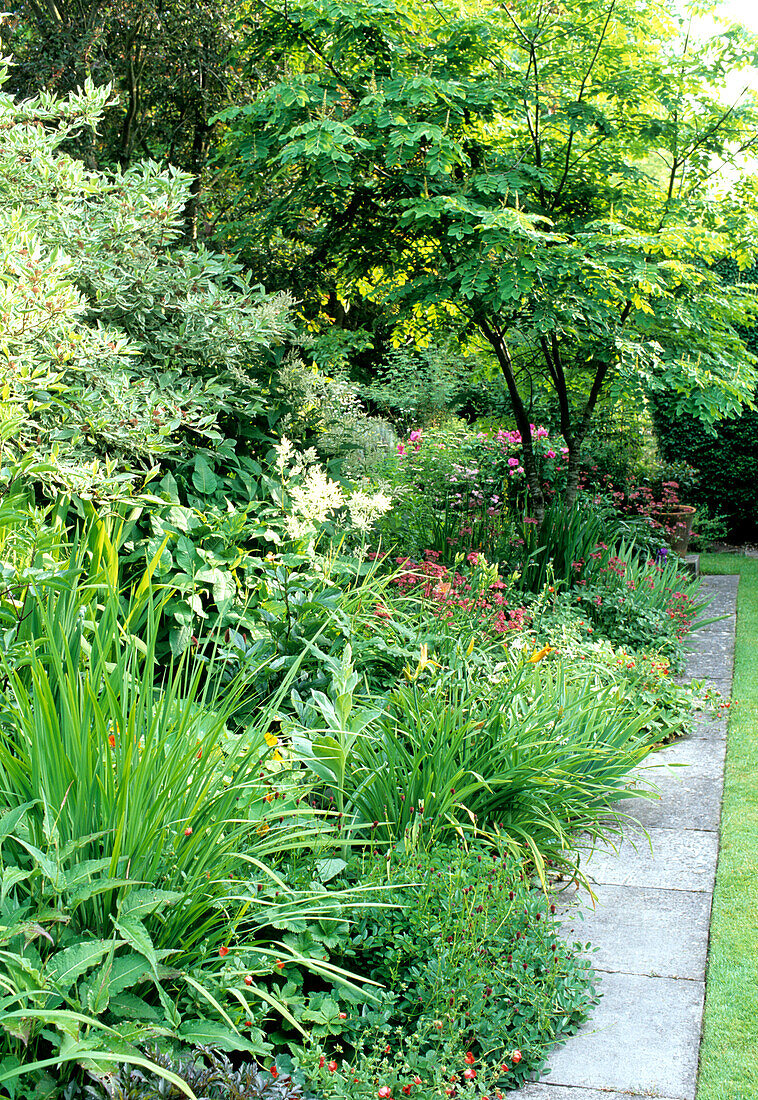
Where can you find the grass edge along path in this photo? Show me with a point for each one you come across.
(729, 1048)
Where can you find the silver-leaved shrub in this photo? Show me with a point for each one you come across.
(119, 345)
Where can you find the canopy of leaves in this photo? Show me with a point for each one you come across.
(540, 173)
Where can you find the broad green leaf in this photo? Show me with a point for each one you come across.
(137, 936)
(203, 477)
(218, 1035)
(140, 902)
(66, 966)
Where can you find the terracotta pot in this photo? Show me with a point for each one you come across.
(677, 519)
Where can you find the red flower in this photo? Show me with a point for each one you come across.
(406, 1089)
(469, 1074)
(188, 831)
(383, 1092)
(112, 740)
(274, 1072)
(516, 1057)
(279, 964)
(343, 1015)
(321, 1062)
(223, 951)
(469, 1058)
(417, 1080)
(332, 1067)
(248, 979)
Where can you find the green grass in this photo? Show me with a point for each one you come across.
(729, 1052)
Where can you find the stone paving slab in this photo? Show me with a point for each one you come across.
(558, 1092)
(686, 801)
(710, 677)
(709, 729)
(613, 929)
(624, 1048)
(720, 632)
(693, 755)
(678, 860)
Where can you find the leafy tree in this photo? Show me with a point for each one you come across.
(538, 174)
(122, 351)
(167, 61)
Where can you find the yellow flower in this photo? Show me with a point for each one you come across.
(424, 661)
(540, 653)
(271, 741)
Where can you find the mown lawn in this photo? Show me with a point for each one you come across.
(729, 1051)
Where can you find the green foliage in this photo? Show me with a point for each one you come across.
(726, 460)
(644, 604)
(121, 349)
(209, 1075)
(457, 489)
(169, 68)
(401, 165)
(419, 386)
(471, 959)
(139, 837)
(529, 757)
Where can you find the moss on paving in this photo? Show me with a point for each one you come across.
(729, 1051)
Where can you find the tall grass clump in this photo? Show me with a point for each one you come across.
(142, 831)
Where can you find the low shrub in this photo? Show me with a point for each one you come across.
(457, 490)
(527, 753)
(638, 602)
(478, 984)
(210, 1076)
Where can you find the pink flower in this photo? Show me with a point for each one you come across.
(550, 454)
(400, 449)
(415, 437)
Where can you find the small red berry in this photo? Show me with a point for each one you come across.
(332, 1067)
(280, 965)
(343, 1015)
(223, 951)
(321, 1062)
(188, 831)
(248, 979)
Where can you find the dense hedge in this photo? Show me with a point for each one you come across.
(727, 461)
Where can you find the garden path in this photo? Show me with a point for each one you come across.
(651, 922)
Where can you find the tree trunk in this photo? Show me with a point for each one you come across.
(496, 339)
